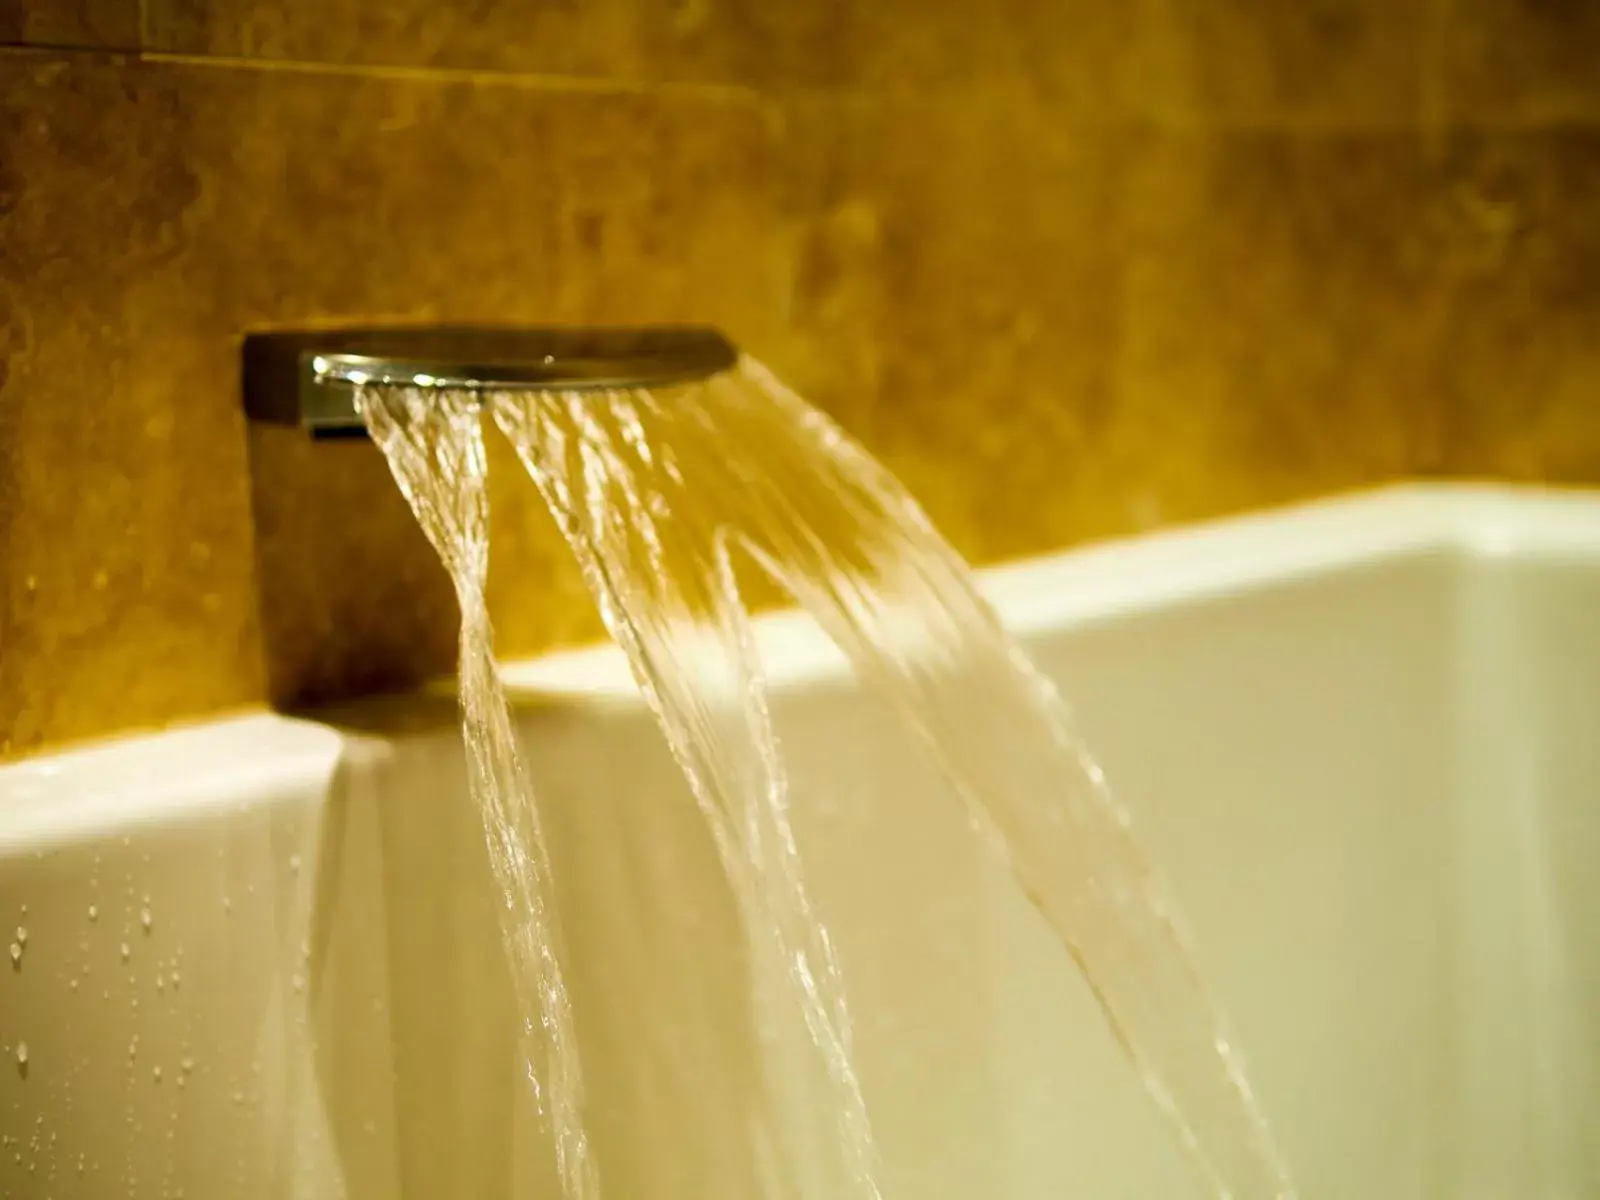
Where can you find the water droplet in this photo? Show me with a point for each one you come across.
(22, 1054)
(22, 935)
(227, 904)
(294, 864)
(155, 1073)
(176, 980)
(72, 984)
(238, 1097)
(146, 919)
(16, 954)
(161, 982)
(125, 951)
(298, 981)
(94, 912)
(187, 1065)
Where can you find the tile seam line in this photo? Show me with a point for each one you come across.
(22, 49)
(768, 100)
(467, 75)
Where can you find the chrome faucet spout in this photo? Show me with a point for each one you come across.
(309, 378)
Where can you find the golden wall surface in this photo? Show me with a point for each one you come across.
(1072, 269)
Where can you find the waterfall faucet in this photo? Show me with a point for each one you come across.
(309, 378)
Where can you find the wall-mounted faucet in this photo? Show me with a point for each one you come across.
(309, 378)
(351, 599)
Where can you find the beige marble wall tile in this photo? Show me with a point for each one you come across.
(1519, 61)
(953, 301)
(1326, 62)
(153, 213)
(1311, 314)
(1282, 322)
(99, 24)
(1338, 63)
(1058, 332)
(1518, 365)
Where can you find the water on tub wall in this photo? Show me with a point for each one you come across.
(1071, 270)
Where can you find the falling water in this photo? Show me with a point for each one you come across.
(434, 444)
(630, 479)
(663, 497)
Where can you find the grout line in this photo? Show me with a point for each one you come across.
(768, 100)
(21, 49)
(1430, 121)
(467, 75)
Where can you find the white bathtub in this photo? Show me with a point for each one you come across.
(1362, 738)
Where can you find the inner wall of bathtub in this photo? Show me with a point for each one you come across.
(1370, 777)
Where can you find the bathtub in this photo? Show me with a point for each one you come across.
(1361, 738)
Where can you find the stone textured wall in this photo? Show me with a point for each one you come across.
(1072, 268)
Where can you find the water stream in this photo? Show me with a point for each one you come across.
(433, 442)
(671, 499)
